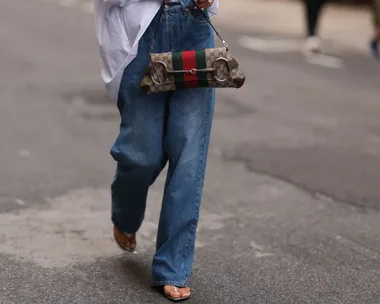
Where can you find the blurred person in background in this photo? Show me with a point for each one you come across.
(313, 9)
(376, 38)
(171, 127)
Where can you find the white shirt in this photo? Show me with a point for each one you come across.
(119, 26)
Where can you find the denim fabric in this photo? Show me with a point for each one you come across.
(171, 127)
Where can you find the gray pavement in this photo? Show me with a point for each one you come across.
(291, 205)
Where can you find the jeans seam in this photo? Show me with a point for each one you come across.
(198, 196)
(168, 38)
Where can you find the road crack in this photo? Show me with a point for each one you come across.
(316, 194)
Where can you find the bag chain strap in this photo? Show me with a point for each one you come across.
(204, 15)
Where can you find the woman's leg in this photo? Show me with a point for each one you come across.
(186, 145)
(376, 20)
(139, 148)
(313, 11)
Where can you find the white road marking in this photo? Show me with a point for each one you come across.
(269, 45)
(86, 6)
(325, 61)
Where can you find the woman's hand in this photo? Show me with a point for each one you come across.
(203, 4)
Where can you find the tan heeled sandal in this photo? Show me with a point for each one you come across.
(127, 242)
(175, 290)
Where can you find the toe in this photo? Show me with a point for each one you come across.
(185, 292)
(172, 292)
(175, 294)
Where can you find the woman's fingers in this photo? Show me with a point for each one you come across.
(205, 3)
(202, 3)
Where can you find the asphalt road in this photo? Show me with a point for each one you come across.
(291, 205)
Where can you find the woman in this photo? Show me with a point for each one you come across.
(313, 10)
(171, 127)
(376, 38)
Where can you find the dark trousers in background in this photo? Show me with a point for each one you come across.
(376, 13)
(313, 10)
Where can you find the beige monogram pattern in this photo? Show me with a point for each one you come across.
(235, 79)
(230, 72)
(156, 71)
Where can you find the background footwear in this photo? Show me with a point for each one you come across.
(374, 45)
(313, 44)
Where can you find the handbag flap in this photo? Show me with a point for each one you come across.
(191, 69)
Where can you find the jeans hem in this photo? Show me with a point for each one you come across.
(172, 283)
(114, 222)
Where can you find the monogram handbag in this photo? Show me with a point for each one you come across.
(213, 67)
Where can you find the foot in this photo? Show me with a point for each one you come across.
(177, 293)
(374, 45)
(313, 44)
(126, 241)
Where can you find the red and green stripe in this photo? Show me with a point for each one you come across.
(179, 78)
(188, 60)
(201, 64)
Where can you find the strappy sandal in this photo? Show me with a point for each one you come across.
(127, 242)
(175, 289)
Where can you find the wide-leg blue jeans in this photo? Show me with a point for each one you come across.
(171, 127)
